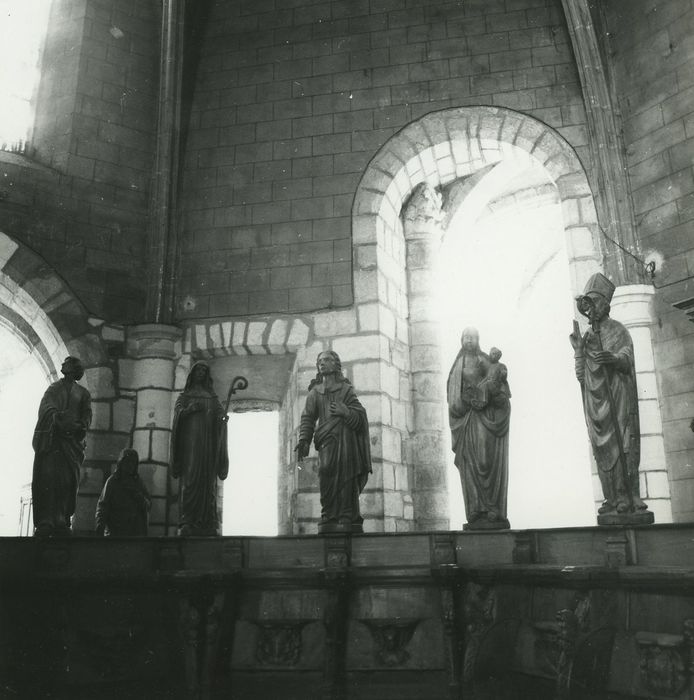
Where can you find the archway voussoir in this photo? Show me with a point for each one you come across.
(404, 183)
(490, 128)
(388, 161)
(376, 180)
(570, 211)
(428, 162)
(298, 335)
(436, 128)
(364, 229)
(255, 337)
(414, 171)
(573, 185)
(447, 169)
(369, 201)
(559, 164)
(418, 137)
(458, 131)
(588, 212)
(510, 128)
(529, 135)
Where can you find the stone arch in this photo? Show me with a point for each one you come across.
(443, 146)
(25, 314)
(42, 313)
(391, 257)
(40, 308)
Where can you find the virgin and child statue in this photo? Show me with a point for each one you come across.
(479, 411)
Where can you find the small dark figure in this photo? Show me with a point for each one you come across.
(604, 364)
(342, 441)
(199, 453)
(479, 412)
(59, 443)
(496, 378)
(124, 502)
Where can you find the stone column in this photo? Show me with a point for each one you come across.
(422, 224)
(163, 233)
(631, 305)
(612, 200)
(153, 350)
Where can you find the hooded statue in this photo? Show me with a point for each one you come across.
(124, 503)
(199, 453)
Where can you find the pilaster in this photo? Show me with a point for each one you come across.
(153, 350)
(632, 306)
(422, 224)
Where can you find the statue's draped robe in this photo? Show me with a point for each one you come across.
(198, 457)
(479, 438)
(59, 454)
(344, 451)
(620, 379)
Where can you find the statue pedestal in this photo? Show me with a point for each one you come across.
(644, 517)
(484, 524)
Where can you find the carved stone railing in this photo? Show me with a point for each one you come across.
(451, 614)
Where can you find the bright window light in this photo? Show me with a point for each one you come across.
(250, 490)
(508, 276)
(22, 30)
(22, 384)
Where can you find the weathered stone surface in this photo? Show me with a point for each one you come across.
(153, 408)
(123, 415)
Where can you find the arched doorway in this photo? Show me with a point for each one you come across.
(466, 155)
(503, 267)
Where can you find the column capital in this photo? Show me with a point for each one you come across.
(154, 340)
(631, 304)
(423, 214)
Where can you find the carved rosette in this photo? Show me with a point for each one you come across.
(279, 643)
(666, 661)
(391, 638)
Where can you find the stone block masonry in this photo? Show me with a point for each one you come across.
(286, 115)
(651, 43)
(85, 213)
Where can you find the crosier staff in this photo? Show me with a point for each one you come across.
(238, 383)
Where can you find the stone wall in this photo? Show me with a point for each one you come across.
(79, 196)
(651, 45)
(291, 103)
(364, 348)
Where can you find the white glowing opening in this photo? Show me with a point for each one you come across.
(507, 274)
(22, 30)
(250, 490)
(22, 384)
